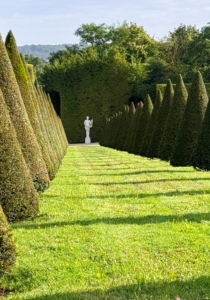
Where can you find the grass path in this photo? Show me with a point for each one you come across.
(116, 226)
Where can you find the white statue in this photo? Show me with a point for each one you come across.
(88, 124)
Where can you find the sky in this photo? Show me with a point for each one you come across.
(55, 21)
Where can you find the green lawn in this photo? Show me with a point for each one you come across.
(116, 226)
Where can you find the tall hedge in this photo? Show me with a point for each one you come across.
(7, 246)
(191, 125)
(133, 130)
(152, 124)
(161, 120)
(17, 193)
(174, 120)
(142, 124)
(89, 83)
(26, 137)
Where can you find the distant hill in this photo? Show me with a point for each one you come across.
(42, 51)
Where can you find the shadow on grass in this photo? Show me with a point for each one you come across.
(128, 173)
(133, 196)
(150, 219)
(143, 181)
(193, 289)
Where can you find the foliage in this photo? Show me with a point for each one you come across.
(151, 125)
(201, 157)
(17, 84)
(37, 62)
(191, 124)
(128, 125)
(18, 197)
(90, 83)
(161, 121)
(134, 126)
(174, 120)
(142, 124)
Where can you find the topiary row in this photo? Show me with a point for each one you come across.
(176, 130)
(32, 144)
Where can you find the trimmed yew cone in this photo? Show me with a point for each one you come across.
(19, 117)
(18, 196)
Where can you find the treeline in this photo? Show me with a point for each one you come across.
(117, 65)
(176, 128)
(41, 51)
(32, 144)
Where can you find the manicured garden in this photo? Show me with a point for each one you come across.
(115, 226)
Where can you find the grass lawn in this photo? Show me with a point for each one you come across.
(116, 226)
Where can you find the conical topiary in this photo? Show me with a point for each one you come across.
(113, 134)
(25, 134)
(132, 111)
(31, 106)
(18, 196)
(123, 133)
(161, 120)
(152, 123)
(134, 126)
(191, 124)
(7, 246)
(173, 121)
(142, 124)
(116, 130)
(40, 115)
(201, 157)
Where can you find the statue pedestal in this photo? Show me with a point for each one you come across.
(87, 140)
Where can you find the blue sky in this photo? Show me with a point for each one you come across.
(55, 21)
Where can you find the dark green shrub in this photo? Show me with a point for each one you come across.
(128, 126)
(142, 124)
(161, 121)
(173, 121)
(134, 125)
(201, 157)
(151, 126)
(191, 124)
(122, 133)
